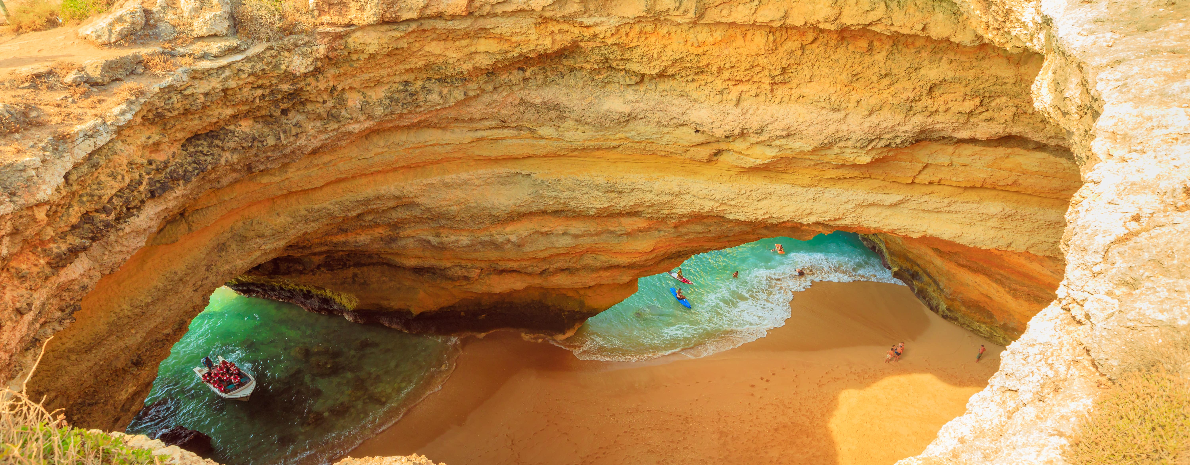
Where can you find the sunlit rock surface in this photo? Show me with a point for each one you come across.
(468, 158)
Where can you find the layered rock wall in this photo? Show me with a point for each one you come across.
(1109, 80)
(990, 292)
(448, 163)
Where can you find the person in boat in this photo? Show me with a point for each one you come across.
(679, 294)
(680, 277)
(206, 361)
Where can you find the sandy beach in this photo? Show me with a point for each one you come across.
(814, 391)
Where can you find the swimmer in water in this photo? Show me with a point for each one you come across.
(779, 249)
(736, 274)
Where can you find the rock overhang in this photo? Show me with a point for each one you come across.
(888, 127)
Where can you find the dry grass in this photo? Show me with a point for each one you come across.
(78, 91)
(130, 91)
(40, 15)
(1145, 418)
(29, 434)
(272, 19)
(159, 64)
(34, 15)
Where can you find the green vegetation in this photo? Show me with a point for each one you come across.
(29, 434)
(40, 15)
(78, 10)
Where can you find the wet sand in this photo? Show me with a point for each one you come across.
(815, 391)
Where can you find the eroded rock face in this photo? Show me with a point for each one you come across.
(519, 170)
(457, 160)
(1107, 80)
(115, 26)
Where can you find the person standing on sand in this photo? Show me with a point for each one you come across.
(981, 351)
(892, 352)
(900, 349)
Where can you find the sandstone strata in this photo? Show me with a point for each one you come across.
(470, 157)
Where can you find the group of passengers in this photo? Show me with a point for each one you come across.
(225, 376)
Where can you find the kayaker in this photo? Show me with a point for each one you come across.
(679, 294)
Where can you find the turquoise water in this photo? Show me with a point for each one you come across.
(727, 311)
(323, 383)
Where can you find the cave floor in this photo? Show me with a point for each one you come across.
(815, 390)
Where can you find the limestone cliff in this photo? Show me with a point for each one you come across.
(444, 163)
(1108, 80)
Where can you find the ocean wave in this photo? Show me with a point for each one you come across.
(728, 312)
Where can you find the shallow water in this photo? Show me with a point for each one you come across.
(323, 383)
(727, 311)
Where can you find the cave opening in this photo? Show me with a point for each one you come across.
(326, 384)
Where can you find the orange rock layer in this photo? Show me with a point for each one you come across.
(517, 167)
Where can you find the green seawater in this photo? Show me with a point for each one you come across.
(727, 311)
(324, 384)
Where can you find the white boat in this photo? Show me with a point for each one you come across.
(241, 393)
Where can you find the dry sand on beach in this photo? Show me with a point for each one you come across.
(814, 391)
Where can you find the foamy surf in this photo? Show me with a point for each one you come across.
(728, 312)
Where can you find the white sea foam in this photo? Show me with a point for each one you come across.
(727, 313)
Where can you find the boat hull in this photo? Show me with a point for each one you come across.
(242, 393)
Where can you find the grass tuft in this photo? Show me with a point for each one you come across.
(34, 15)
(78, 10)
(29, 434)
